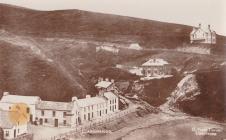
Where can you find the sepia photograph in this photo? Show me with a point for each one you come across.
(112, 70)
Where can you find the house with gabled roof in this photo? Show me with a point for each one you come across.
(57, 114)
(156, 67)
(8, 100)
(203, 35)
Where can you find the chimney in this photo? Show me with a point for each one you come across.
(74, 99)
(88, 96)
(100, 79)
(5, 93)
(112, 80)
(209, 27)
(107, 79)
(200, 25)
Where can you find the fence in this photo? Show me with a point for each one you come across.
(24, 137)
(92, 124)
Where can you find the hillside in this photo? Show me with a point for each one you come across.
(89, 25)
(52, 53)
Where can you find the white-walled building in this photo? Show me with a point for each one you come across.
(91, 108)
(11, 130)
(110, 48)
(156, 67)
(8, 100)
(135, 46)
(57, 114)
(202, 35)
(67, 114)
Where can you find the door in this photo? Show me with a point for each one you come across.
(41, 121)
(31, 119)
(89, 116)
(56, 123)
(14, 133)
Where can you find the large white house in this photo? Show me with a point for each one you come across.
(156, 67)
(203, 35)
(8, 100)
(10, 129)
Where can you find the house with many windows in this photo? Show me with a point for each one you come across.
(68, 114)
(156, 67)
(57, 114)
(203, 35)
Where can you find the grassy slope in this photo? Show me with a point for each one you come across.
(26, 74)
(97, 26)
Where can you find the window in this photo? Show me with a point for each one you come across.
(46, 120)
(110, 108)
(28, 110)
(9, 108)
(65, 113)
(43, 113)
(110, 101)
(92, 114)
(18, 130)
(106, 111)
(6, 133)
(65, 122)
(54, 113)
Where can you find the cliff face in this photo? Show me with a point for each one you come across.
(201, 94)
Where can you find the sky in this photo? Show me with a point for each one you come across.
(188, 12)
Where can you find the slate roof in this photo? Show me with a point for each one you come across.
(90, 101)
(51, 105)
(103, 84)
(155, 62)
(5, 123)
(110, 95)
(19, 99)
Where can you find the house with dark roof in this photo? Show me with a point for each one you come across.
(57, 114)
(156, 67)
(203, 35)
(11, 129)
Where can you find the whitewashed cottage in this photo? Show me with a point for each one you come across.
(203, 35)
(8, 100)
(56, 114)
(10, 129)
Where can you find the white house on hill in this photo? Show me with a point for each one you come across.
(109, 48)
(202, 35)
(10, 129)
(156, 67)
(135, 46)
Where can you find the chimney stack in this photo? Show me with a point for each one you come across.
(5, 93)
(88, 96)
(74, 98)
(209, 27)
(112, 80)
(200, 25)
